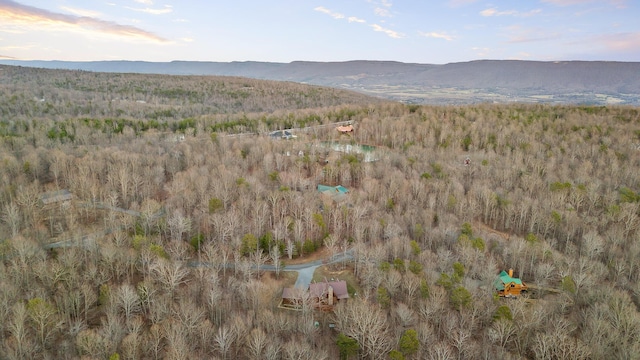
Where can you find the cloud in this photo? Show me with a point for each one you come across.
(167, 9)
(376, 27)
(32, 18)
(617, 3)
(521, 55)
(356, 20)
(459, 3)
(567, 2)
(334, 15)
(339, 16)
(629, 41)
(23, 46)
(382, 12)
(389, 32)
(517, 35)
(6, 57)
(381, 3)
(436, 35)
(80, 12)
(481, 52)
(145, 2)
(382, 8)
(494, 12)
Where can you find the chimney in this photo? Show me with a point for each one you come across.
(510, 272)
(330, 295)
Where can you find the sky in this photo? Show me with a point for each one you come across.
(411, 31)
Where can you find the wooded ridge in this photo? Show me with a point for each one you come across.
(504, 81)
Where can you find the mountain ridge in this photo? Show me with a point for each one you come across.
(572, 81)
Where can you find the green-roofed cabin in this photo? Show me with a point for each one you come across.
(336, 193)
(508, 286)
(335, 189)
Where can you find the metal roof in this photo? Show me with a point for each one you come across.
(321, 289)
(55, 196)
(503, 279)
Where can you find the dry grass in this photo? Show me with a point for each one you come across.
(323, 253)
(336, 272)
(286, 278)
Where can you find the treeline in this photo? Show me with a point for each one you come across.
(157, 254)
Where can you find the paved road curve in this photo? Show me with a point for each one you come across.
(305, 270)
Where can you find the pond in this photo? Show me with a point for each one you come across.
(369, 152)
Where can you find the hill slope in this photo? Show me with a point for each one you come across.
(593, 82)
(47, 93)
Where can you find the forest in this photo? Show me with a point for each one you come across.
(153, 217)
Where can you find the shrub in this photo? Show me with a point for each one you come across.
(347, 346)
(503, 312)
(215, 204)
(460, 297)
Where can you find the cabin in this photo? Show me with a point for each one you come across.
(282, 134)
(56, 197)
(335, 193)
(508, 286)
(293, 298)
(328, 293)
(345, 129)
(321, 296)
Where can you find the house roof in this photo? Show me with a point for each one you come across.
(322, 288)
(55, 196)
(290, 293)
(333, 189)
(344, 129)
(336, 193)
(503, 279)
(282, 134)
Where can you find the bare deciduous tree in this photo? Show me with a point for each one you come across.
(223, 340)
(11, 217)
(170, 274)
(275, 258)
(501, 331)
(127, 300)
(366, 323)
(189, 314)
(256, 344)
(17, 327)
(45, 320)
(178, 225)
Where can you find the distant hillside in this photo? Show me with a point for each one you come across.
(591, 82)
(28, 93)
